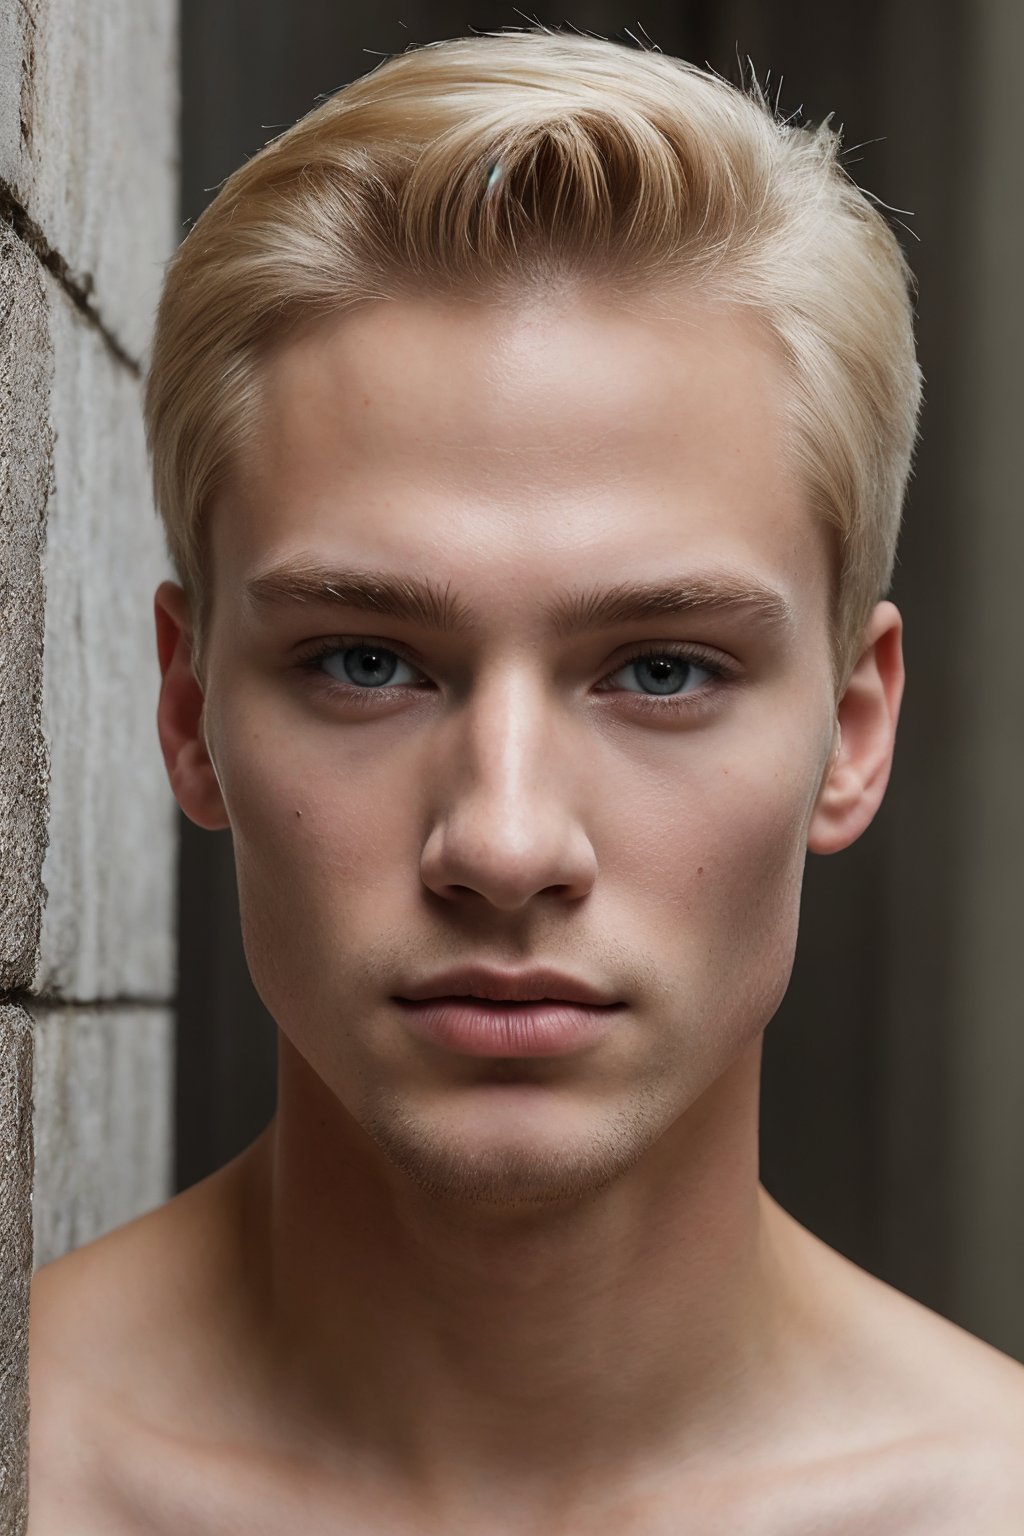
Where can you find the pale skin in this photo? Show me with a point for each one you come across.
(438, 1295)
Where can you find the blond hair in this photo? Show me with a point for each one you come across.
(486, 166)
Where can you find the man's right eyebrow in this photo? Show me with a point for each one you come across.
(401, 597)
(431, 606)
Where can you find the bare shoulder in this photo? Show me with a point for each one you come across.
(971, 1464)
(74, 1397)
(940, 1373)
(935, 1414)
(120, 1337)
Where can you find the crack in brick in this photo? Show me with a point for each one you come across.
(28, 69)
(79, 289)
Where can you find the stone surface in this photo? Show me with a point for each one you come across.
(26, 367)
(108, 924)
(18, 23)
(102, 1117)
(88, 144)
(15, 1260)
(88, 188)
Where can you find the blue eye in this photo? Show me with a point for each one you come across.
(365, 665)
(664, 673)
(361, 667)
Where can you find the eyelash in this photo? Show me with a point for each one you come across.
(709, 661)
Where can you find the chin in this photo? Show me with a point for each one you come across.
(517, 1145)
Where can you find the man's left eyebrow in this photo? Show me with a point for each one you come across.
(632, 601)
(575, 612)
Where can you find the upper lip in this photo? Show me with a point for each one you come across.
(505, 986)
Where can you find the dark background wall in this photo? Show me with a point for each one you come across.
(881, 1075)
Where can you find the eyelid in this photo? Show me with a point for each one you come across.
(702, 655)
(333, 644)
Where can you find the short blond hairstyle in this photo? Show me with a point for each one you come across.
(493, 165)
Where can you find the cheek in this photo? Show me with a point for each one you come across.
(757, 843)
(316, 837)
(713, 863)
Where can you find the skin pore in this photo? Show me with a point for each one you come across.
(527, 1292)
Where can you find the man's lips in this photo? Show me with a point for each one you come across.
(475, 1026)
(493, 984)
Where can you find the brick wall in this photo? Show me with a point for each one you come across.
(88, 214)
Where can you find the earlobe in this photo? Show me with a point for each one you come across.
(858, 771)
(180, 715)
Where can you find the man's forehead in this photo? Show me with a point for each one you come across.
(449, 469)
(544, 381)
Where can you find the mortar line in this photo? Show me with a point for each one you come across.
(20, 998)
(30, 234)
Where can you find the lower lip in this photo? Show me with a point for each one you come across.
(475, 1028)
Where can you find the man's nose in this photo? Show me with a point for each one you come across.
(507, 818)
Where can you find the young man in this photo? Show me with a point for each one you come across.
(531, 424)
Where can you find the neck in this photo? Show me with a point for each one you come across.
(457, 1345)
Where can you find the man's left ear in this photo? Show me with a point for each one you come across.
(866, 715)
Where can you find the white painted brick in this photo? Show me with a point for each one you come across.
(89, 107)
(108, 924)
(103, 1089)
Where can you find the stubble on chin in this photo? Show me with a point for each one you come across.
(449, 1169)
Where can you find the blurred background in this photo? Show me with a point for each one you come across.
(892, 1120)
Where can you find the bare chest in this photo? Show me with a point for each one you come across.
(145, 1488)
